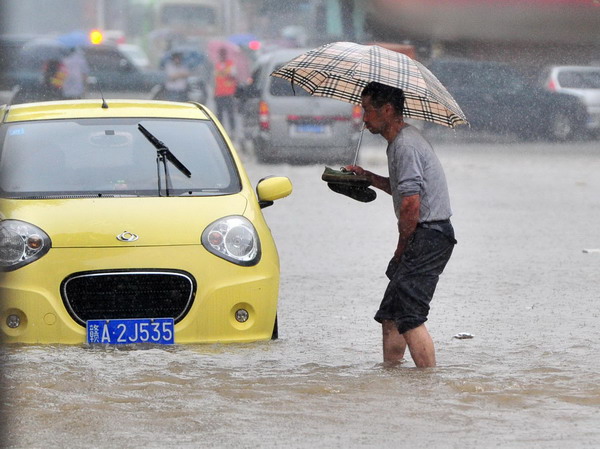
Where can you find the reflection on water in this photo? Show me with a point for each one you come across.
(518, 281)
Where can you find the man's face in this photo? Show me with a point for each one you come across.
(373, 117)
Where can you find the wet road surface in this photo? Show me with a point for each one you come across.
(519, 282)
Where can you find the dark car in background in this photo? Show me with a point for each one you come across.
(111, 71)
(114, 71)
(10, 72)
(286, 124)
(496, 98)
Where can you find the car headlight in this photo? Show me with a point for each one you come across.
(20, 244)
(234, 239)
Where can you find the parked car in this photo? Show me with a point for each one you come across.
(131, 221)
(583, 82)
(285, 124)
(496, 98)
(111, 71)
(136, 55)
(10, 48)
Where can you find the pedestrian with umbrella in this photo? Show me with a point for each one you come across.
(426, 237)
(76, 74)
(390, 86)
(178, 74)
(53, 81)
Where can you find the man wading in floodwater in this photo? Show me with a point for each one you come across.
(420, 195)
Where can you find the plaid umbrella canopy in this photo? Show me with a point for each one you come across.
(341, 70)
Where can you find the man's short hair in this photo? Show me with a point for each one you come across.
(381, 94)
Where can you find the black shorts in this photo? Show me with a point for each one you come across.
(414, 278)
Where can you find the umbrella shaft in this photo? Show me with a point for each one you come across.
(362, 130)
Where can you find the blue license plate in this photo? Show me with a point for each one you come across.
(130, 331)
(309, 128)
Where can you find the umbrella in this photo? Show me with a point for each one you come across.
(242, 39)
(342, 69)
(215, 46)
(74, 39)
(40, 50)
(192, 58)
(234, 52)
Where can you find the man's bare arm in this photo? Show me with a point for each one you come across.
(407, 221)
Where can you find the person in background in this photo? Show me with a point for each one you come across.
(421, 201)
(53, 80)
(77, 72)
(176, 85)
(225, 88)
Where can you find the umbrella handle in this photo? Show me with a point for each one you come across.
(362, 130)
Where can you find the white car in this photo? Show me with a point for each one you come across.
(582, 82)
(283, 123)
(136, 55)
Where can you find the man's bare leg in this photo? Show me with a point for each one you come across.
(394, 344)
(421, 347)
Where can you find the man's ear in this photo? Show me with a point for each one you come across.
(388, 109)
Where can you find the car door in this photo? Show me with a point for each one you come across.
(515, 107)
(486, 93)
(468, 89)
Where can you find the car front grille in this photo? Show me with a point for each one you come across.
(128, 294)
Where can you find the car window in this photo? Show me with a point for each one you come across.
(449, 77)
(283, 88)
(500, 77)
(579, 79)
(106, 60)
(11, 58)
(477, 76)
(112, 157)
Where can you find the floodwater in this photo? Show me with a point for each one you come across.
(519, 282)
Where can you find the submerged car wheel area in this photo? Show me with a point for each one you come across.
(134, 223)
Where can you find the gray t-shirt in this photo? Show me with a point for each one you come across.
(414, 168)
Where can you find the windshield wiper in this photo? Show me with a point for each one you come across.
(163, 154)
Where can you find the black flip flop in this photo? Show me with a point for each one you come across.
(358, 193)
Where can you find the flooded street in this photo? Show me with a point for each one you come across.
(519, 281)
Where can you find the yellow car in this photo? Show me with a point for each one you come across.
(126, 222)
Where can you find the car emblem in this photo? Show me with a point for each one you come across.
(127, 236)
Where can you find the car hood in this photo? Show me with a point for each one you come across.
(97, 222)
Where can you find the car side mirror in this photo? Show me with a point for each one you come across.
(272, 188)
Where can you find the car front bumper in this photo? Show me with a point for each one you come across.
(33, 297)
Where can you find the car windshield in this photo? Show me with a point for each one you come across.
(111, 157)
(579, 79)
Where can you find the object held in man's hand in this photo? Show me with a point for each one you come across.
(350, 184)
(343, 176)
